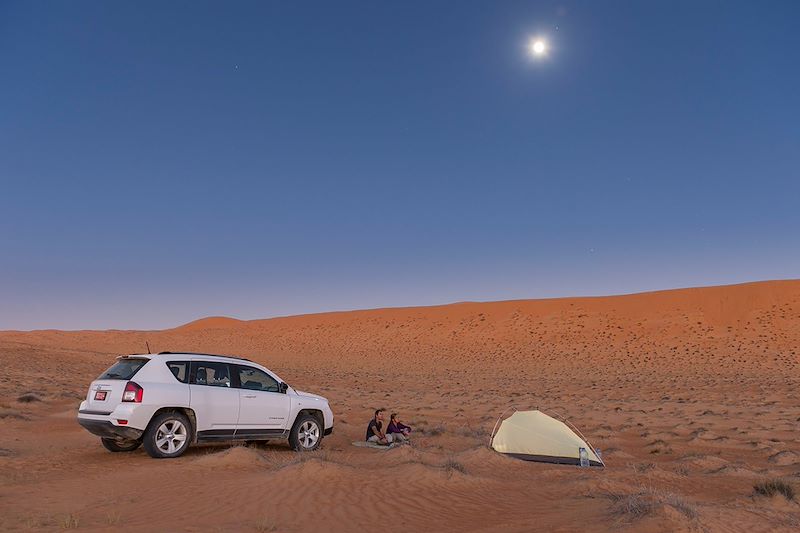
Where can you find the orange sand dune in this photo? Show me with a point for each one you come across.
(213, 322)
(691, 393)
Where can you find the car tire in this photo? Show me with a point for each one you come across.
(306, 434)
(168, 435)
(120, 445)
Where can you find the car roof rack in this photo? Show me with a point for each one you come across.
(206, 355)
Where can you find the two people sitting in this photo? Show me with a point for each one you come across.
(396, 432)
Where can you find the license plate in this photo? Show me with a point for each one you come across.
(100, 395)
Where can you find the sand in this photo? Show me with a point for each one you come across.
(692, 395)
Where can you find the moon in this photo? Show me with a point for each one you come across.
(538, 47)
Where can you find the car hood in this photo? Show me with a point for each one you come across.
(310, 396)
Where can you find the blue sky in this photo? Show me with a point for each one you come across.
(160, 162)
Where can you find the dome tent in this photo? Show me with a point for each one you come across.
(535, 436)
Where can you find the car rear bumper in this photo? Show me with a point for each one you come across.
(137, 415)
(104, 428)
(328, 431)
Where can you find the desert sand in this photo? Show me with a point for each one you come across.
(692, 396)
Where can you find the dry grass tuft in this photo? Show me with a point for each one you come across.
(69, 521)
(34, 522)
(641, 468)
(682, 470)
(469, 432)
(304, 457)
(433, 431)
(773, 487)
(12, 414)
(265, 524)
(647, 501)
(633, 506)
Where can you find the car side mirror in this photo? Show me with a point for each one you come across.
(283, 387)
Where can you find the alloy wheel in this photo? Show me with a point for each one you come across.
(308, 434)
(171, 436)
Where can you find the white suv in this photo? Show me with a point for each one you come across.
(169, 400)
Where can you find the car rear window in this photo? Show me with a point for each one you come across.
(124, 368)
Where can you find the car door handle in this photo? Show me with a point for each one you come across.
(249, 395)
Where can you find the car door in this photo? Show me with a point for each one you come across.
(213, 399)
(264, 410)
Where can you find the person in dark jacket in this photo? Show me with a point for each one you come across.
(397, 429)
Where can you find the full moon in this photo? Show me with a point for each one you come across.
(538, 47)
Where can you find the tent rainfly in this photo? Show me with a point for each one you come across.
(535, 436)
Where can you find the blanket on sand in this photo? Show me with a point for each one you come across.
(375, 445)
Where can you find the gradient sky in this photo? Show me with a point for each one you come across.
(165, 161)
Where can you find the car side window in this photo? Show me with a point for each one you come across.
(255, 379)
(210, 374)
(179, 369)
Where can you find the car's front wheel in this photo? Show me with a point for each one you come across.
(306, 434)
(113, 445)
(167, 436)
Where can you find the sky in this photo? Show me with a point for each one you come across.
(166, 161)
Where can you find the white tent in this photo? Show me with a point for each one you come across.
(535, 436)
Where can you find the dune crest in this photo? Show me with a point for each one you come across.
(211, 322)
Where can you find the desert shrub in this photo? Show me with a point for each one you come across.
(29, 397)
(451, 464)
(771, 487)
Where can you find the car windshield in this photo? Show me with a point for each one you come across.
(124, 369)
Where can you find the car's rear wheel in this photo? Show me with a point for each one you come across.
(167, 436)
(306, 434)
(113, 445)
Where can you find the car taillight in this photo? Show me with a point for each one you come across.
(133, 393)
